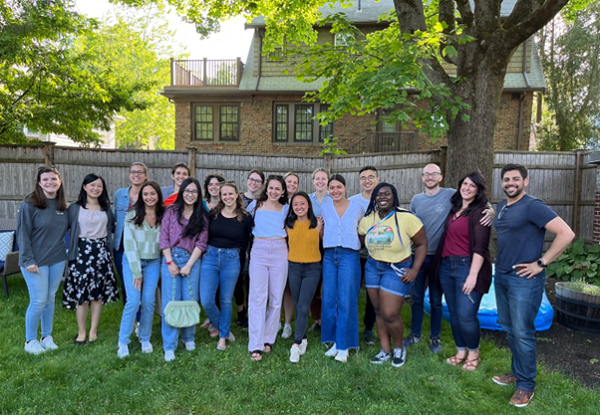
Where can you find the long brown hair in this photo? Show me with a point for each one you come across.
(239, 203)
(38, 198)
(140, 207)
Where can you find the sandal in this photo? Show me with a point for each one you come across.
(455, 361)
(256, 355)
(471, 364)
(268, 348)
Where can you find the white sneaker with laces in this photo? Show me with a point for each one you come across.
(295, 354)
(190, 346)
(34, 347)
(287, 332)
(169, 355)
(342, 356)
(147, 347)
(123, 350)
(48, 343)
(303, 346)
(331, 352)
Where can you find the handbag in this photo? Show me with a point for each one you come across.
(182, 313)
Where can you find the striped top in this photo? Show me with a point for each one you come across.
(140, 243)
(304, 243)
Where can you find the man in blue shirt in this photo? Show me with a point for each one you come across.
(521, 223)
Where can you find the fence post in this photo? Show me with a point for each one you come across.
(577, 193)
(49, 153)
(192, 160)
(328, 161)
(443, 160)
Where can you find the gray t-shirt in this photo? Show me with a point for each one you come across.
(41, 235)
(433, 211)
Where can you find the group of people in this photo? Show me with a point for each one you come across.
(276, 248)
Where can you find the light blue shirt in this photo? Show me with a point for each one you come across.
(342, 231)
(268, 223)
(359, 198)
(316, 206)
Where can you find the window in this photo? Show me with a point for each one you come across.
(214, 122)
(343, 39)
(297, 123)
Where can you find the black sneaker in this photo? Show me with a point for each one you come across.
(410, 340)
(369, 337)
(399, 357)
(435, 345)
(315, 327)
(381, 357)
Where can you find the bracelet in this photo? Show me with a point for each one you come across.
(168, 262)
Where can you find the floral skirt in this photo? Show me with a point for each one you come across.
(91, 276)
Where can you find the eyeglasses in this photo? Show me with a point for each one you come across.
(364, 178)
(190, 192)
(137, 172)
(502, 211)
(257, 181)
(434, 174)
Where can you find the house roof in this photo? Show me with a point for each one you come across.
(368, 11)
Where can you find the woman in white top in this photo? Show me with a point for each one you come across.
(268, 266)
(341, 270)
(91, 279)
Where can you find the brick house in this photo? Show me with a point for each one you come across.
(229, 106)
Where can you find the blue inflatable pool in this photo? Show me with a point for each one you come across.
(488, 314)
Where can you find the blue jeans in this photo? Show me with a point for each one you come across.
(146, 298)
(341, 287)
(435, 300)
(518, 300)
(42, 288)
(463, 308)
(220, 269)
(169, 333)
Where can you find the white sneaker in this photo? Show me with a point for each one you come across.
(287, 332)
(147, 347)
(342, 356)
(303, 346)
(190, 346)
(48, 343)
(123, 350)
(331, 352)
(34, 347)
(295, 354)
(169, 355)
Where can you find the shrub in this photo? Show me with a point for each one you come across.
(577, 263)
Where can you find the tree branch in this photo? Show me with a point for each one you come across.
(466, 14)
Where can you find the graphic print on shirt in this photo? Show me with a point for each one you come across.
(380, 237)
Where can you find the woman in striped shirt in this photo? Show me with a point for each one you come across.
(141, 265)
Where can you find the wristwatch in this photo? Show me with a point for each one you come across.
(541, 264)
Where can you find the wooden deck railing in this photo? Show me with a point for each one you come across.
(383, 142)
(205, 72)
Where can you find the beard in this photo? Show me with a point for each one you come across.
(516, 192)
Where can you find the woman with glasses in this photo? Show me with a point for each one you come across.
(183, 239)
(141, 265)
(463, 267)
(91, 282)
(268, 266)
(41, 227)
(254, 185)
(124, 199)
(341, 270)
(228, 233)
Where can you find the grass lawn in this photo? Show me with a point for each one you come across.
(91, 379)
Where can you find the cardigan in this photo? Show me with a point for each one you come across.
(479, 240)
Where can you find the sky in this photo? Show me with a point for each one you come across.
(231, 42)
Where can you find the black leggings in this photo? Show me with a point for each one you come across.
(304, 280)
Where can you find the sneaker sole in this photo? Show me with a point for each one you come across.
(398, 364)
(380, 362)
(522, 405)
(497, 382)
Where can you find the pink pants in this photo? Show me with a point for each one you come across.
(268, 275)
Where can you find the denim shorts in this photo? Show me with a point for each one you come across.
(381, 275)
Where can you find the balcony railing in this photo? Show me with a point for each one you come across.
(206, 73)
(384, 142)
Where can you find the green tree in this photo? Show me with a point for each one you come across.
(135, 48)
(481, 64)
(570, 55)
(45, 84)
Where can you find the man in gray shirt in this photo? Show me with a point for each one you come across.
(432, 207)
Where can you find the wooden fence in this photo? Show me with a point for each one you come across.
(563, 180)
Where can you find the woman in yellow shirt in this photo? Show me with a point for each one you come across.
(304, 231)
(387, 232)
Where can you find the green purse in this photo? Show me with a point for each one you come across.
(182, 313)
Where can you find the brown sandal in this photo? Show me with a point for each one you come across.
(471, 364)
(455, 361)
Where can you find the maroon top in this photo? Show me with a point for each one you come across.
(457, 237)
(171, 231)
